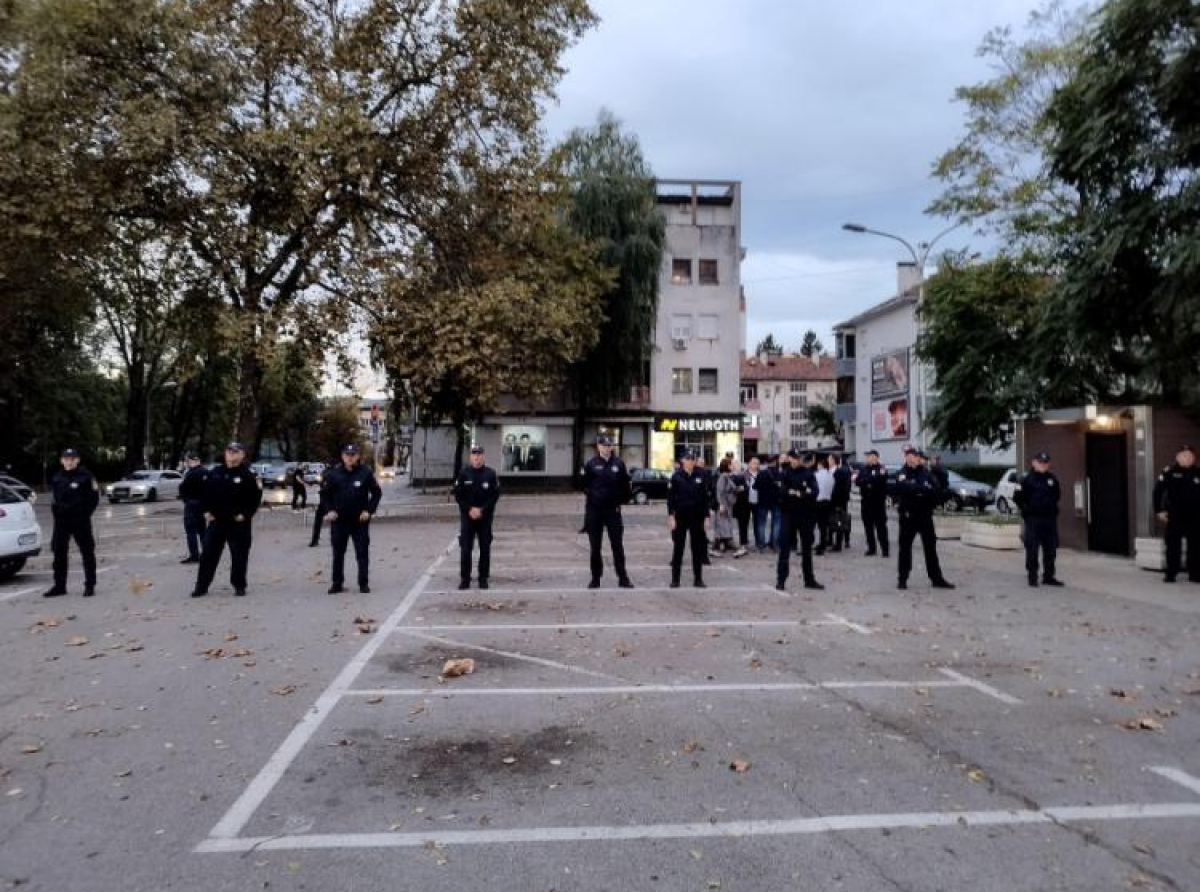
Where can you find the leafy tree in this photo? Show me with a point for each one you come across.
(997, 176)
(768, 345)
(811, 346)
(979, 323)
(291, 396)
(335, 425)
(1126, 132)
(822, 421)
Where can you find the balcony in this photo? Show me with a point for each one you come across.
(846, 368)
(845, 413)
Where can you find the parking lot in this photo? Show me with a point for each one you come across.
(992, 737)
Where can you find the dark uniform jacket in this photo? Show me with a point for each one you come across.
(606, 482)
(350, 492)
(76, 494)
(799, 490)
(192, 484)
(1038, 495)
(917, 491)
(1178, 493)
(841, 487)
(766, 484)
(687, 493)
(227, 492)
(477, 488)
(872, 484)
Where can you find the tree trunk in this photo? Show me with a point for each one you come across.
(460, 441)
(249, 415)
(135, 419)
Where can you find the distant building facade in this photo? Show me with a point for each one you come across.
(777, 391)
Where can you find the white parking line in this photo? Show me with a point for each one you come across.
(566, 590)
(9, 596)
(776, 688)
(842, 621)
(264, 782)
(513, 655)
(980, 686)
(554, 627)
(921, 821)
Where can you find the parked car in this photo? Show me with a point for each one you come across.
(966, 493)
(20, 534)
(648, 484)
(1006, 491)
(274, 476)
(23, 490)
(145, 486)
(313, 471)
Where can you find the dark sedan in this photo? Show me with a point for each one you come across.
(648, 484)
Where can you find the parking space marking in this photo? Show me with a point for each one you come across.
(1178, 776)
(513, 655)
(554, 627)
(837, 620)
(9, 596)
(980, 686)
(765, 688)
(231, 824)
(573, 568)
(567, 590)
(74, 571)
(923, 821)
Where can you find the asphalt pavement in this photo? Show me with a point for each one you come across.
(993, 737)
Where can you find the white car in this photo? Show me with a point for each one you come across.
(145, 486)
(1005, 490)
(20, 534)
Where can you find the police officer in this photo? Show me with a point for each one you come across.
(1037, 495)
(607, 482)
(917, 490)
(1177, 501)
(193, 514)
(872, 485)
(351, 496)
(476, 489)
(798, 485)
(229, 496)
(840, 500)
(299, 489)
(75, 497)
(687, 514)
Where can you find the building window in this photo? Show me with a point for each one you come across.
(799, 386)
(799, 402)
(681, 272)
(707, 326)
(749, 392)
(708, 380)
(681, 380)
(797, 431)
(708, 272)
(681, 327)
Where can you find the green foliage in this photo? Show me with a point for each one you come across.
(822, 422)
(336, 424)
(613, 204)
(1127, 139)
(980, 331)
(810, 345)
(768, 345)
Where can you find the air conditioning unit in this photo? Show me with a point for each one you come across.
(679, 343)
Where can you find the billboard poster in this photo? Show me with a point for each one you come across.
(889, 419)
(523, 449)
(889, 374)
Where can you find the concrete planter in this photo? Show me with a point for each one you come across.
(949, 526)
(997, 536)
(1150, 554)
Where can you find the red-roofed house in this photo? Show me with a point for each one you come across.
(777, 390)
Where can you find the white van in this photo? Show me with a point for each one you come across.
(1005, 490)
(20, 534)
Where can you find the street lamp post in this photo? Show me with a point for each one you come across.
(920, 255)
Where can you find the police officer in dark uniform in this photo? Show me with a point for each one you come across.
(917, 490)
(193, 514)
(229, 496)
(606, 480)
(840, 502)
(872, 485)
(75, 497)
(1177, 501)
(476, 489)
(798, 485)
(1037, 496)
(351, 495)
(687, 513)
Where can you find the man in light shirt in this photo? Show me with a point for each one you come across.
(824, 503)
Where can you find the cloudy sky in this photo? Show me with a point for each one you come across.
(827, 113)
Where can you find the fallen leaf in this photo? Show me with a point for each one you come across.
(417, 709)
(756, 663)
(50, 622)
(77, 641)
(509, 760)
(213, 653)
(691, 746)
(378, 698)
(1121, 694)
(739, 766)
(1165, 713)
(1145, 723)
(30, 748)
(140, 586)
(284, 690)
(621, 649)
(455, 668)
(977, 775)
(1143, 847)
(696, 853)
(231, 637)
(134, 648)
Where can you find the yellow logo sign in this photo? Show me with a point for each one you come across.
(668, 425)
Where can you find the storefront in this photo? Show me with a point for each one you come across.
(709, 435)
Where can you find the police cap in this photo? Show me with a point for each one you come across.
(874, 452)
(603, 440)
(1042, 456)
(192, 456)
(235, 446)
(792, 453)
(688, 455)
(70, 452)
(350, 449)
(477, 449)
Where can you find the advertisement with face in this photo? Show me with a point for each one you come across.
(523, 449)
(889, 419)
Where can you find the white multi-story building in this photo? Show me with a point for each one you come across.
(777, 392)
(690, 398)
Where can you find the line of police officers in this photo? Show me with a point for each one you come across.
(220, 504)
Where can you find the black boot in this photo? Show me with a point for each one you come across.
(813, 584)
(336, 589)
(483, 583)
(942, 583)
(595, 583)
(464, 585)
(1033, 580)
(89, 590)
(625, 582)
(674, 580)
(902, 584)
(1050, 580)
(699, 583)
(57, 590)
(199, 593)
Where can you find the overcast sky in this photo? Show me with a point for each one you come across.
(827, 113)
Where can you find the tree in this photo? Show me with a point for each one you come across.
(1126, 132)
(810, 346)
(768, 345)
(998, 177)
(613, 203)
(980, 325)
(335, 425)
(284, 140)
(822, 421)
